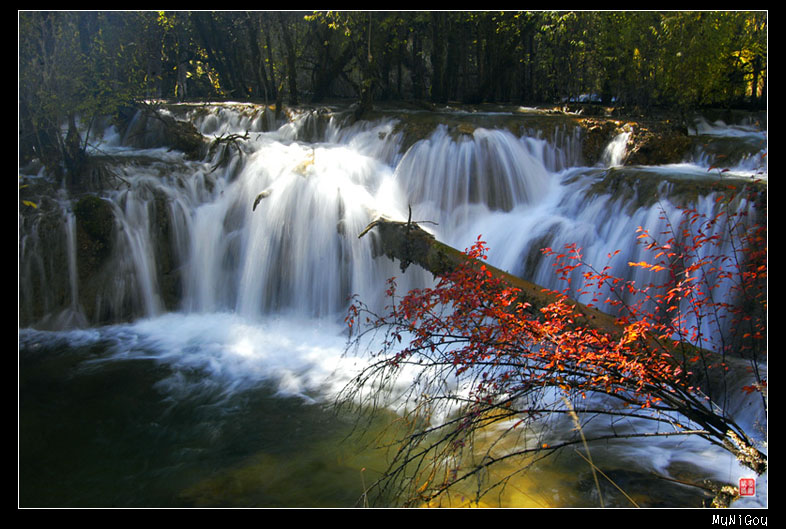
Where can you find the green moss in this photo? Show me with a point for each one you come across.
(94, 242)
(639, 187)
(96, 222)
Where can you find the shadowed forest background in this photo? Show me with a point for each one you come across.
(92, 62)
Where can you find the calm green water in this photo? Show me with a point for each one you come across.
(144, 433)
(203, 411)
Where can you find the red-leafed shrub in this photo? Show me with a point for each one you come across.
(470, 356)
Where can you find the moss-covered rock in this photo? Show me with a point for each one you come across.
(657, 144)
(596, 135)
(167, 268)
(640, 187)
(43, 275)
(95, 229)
(148, 127)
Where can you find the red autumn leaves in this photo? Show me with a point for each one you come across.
(474, 322)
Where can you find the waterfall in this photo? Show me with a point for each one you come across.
(615, 151)
(273, 230)
(241, 266)
(271, 227)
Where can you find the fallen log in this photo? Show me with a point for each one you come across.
(409, 243)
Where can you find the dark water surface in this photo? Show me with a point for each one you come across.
(106, 419)
(140, 433)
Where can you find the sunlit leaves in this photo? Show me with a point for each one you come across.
(472, 321)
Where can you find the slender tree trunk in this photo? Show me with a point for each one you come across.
(370, 78)
(418, 70)
(73, 153)
(438, 44)
(260, 75)
(755, 81)
(329, 70)
(291, 60)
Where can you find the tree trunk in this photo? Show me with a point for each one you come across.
(291, 60)
(260, 76)
(438, 43)
(370, 77)
(328, 71)
(271, 75)
(73, 152)
(418, 70)
(409, 243)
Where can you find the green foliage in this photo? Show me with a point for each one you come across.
(73, 67)
(88, 63)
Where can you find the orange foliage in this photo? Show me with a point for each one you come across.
(472, 320)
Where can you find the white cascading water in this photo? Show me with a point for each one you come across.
(264, 286)
(615, 152)
(296, 250)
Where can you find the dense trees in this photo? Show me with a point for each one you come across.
(68, 66)
(79, 64)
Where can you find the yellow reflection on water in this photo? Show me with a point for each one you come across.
(338, 471)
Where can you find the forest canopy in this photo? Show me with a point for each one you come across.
(84, 63)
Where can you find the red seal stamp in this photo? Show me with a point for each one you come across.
(747, 487)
